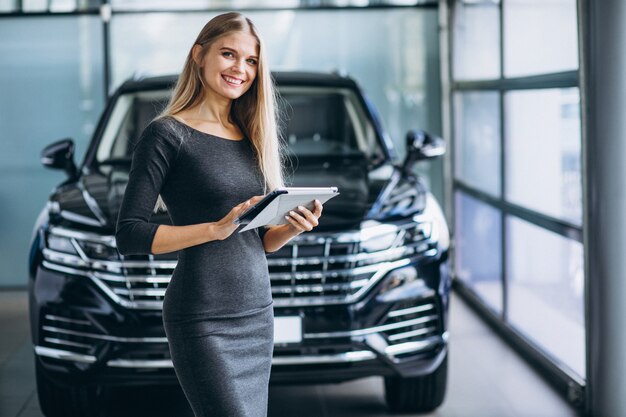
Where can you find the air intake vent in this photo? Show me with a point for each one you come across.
(68, 330)
(413, 322)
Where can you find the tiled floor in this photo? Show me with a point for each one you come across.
(486, 379)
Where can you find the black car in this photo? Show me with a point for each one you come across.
(366, 293)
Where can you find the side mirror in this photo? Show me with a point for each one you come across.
(421, 145)
(60, 155)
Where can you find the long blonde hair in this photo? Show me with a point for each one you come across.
(255, 112)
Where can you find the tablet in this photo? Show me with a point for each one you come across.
(273, 208)
(253, 211)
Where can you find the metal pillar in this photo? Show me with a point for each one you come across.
(105, 16)
(603, 70)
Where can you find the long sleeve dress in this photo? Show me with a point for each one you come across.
(218, 309)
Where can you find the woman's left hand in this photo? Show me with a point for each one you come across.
(304, 220)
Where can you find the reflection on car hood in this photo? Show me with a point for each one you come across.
(95, 199)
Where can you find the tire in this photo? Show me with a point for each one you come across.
(66, 401)
(417, 394)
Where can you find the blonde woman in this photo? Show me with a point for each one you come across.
(210, 155)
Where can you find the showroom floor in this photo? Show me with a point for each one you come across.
(487, 379)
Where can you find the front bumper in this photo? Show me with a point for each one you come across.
(79, 334)
(337, 367)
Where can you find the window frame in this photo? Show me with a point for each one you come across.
(571, 385)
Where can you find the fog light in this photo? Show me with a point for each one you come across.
(399, 277)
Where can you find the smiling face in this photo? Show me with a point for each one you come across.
(230, 65)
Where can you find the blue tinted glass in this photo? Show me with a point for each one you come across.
(390, 53)
(52, 88)
(478, 243)
(546, 290)
(543, 151)
(476, 35)
(539, 37)
(477, 139)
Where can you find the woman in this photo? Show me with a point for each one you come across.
(210, 155)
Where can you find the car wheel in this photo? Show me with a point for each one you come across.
(66, 401)
(417, 394)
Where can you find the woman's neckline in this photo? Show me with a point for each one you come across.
(205, 133)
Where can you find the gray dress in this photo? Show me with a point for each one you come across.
(218, 310)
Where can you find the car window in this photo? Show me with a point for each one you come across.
(317, 124)
(130, 115)
(314, 121)
(326, 122)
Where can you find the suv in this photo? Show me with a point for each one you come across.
(366, 293)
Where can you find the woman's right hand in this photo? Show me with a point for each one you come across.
(225, 226)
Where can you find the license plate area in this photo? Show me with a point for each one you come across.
(287, 329)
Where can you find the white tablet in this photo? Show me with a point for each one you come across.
(273, 208)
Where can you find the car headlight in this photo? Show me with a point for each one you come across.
(402, 200)
(376, 236)
(97, 250)
(432, 213)
(78, 243)
(61, 244)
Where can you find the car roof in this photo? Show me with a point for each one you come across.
(282, 78)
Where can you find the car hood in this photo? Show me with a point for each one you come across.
(94, 200)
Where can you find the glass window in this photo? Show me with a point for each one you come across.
(389, 53)
(476, 40)
(51, 88)
(199, 4)
(34, 5)
(477, 139)
(8, 5)
(379, 50)
(62, 5)
(52, 6)
(478, 243)
(543, 149)
(53, 64)
(540, 36)
(546, 290)
(243, 4)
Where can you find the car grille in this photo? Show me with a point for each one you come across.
(408, 322)
(68, 330)
(312, 269)
(142, 282)
(318, 271)
(68, 334)
(339, 268)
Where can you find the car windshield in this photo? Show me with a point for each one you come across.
(315, 121)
